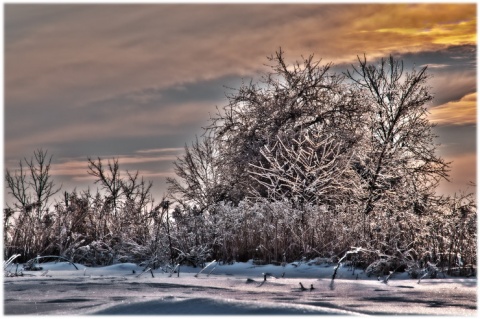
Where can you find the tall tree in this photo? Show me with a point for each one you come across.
(291, 99)
(323, 152)
(32, 186)
(399, 162)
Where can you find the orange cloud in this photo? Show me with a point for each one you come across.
(71, 56)
(384, 28)
(107, 49)
(449, 34)
(459, 112)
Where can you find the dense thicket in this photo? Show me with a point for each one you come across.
(321, 161)
(304, 163)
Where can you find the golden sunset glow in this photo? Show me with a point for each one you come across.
(456, 112)
(450, 34)
(383, 28)
(88, 80)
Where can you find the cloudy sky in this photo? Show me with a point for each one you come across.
(137, 82)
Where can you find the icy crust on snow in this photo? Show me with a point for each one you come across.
(292, 270)
(240, 288)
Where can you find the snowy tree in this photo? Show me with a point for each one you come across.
(312, 169)
(198, 173)
(304, 163)
(110, 179)
(291, 100)
(352, 151)
(32, 187)
(397, 158)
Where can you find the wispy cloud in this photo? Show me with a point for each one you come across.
(162, 150)
(140, 79)
(76, 167)
(164, 120)
(147, 175)
(452, 86)
(436, 66)
(108, 49)
(459, 112)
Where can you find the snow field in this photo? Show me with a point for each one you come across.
(240, 288)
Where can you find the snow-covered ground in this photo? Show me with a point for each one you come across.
(240, 288)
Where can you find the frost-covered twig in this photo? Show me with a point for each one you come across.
(173, 270)
(212, 270)
(355, 250)
(9, 261)
(388, 277)
(205, 268)
(145, 272)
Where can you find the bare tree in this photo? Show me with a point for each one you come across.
(136, 190)
(199, 175)
(18, 186)
(33, 188)
(110, 180)
(41, 181)
(355, 147)
(399, 160)
(299, 97)
(136, 207)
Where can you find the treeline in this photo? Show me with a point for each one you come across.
(305, 163)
